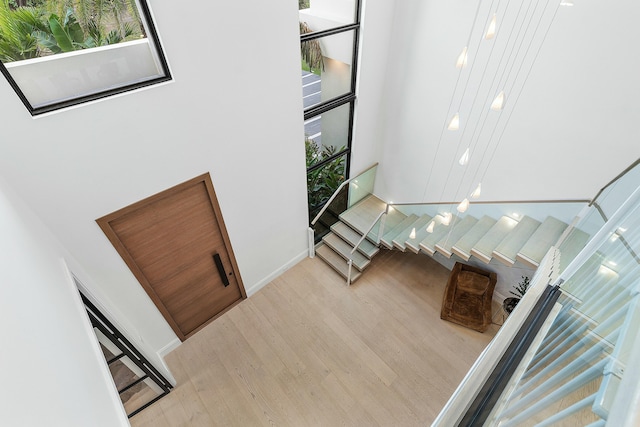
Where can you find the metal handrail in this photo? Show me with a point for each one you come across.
(335, 193)
(490, 202)
(357, 245)
(620, 175)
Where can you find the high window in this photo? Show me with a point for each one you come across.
(58, 53)
(329, 31)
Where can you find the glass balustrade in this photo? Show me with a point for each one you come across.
(574, 376)
(604, 205)
(347, 194)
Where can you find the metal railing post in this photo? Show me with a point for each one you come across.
(311, 234)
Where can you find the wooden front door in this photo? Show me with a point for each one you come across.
(177, 246)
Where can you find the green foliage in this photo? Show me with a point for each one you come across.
(310, 50)
(323, 182)
(16, 32)
(65, 36)
(522, 287)
(29, 32)
(303, 4)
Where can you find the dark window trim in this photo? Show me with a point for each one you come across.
(330, 32)
(347, 98)
(151, 33)
(330, 104)
(328, 160)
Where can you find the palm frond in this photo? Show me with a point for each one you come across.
(311, 50)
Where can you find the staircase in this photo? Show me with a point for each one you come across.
(505, 239)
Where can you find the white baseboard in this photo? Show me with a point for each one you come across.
(169, 348)
(262, 283)
(162, 353)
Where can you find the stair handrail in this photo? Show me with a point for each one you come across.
(489, 202)
(362, 239)
(614, 180)
(335, 193)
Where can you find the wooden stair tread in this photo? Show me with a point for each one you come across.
(336, 262)
(463, 246)
(428, 244)
(343, 249)
(544, 237)
(485, 246)
(421, 233)
(459, 229)
(509, 247)
(419, 224)
(388, 237)
(362, 214)
(352, 237)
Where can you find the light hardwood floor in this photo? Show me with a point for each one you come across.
(307, 350)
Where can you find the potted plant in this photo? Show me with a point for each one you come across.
(520, 289)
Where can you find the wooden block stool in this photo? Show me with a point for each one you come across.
(467, 298)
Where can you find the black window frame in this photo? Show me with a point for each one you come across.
(348, 98)
(151, 33)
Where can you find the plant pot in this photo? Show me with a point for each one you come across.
(509, 304)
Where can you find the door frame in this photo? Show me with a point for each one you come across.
(104, 223)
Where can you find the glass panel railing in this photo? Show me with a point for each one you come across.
(613, 195)
(326, 205)
(604, 205)
(329, 213)
(361, 186)
(575, 374)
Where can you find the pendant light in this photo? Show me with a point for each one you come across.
(446, 218)
(413, 233)
(497, 103)
(465, 158)
(463, 206)
(491, 31)
(430, 227)
(476, 192)
(462, 59)
(454, 124)
(566, 3)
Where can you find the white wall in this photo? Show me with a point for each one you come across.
(52, 373)
(573, 128)
(234, 110)
(371, 113)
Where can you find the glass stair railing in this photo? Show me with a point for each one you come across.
(566, 355)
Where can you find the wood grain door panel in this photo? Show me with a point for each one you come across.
(169, 241)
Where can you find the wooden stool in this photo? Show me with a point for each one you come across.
(467, 298)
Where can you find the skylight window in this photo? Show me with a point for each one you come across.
(57, 53)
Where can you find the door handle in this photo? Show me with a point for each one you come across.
(221, 271)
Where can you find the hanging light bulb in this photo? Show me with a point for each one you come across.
(497, 103)
(476, 192)
(454, 124)
(446, 218)
(430, 227)
(463, 206)
(413, 233)
(491, 31)
(566, 3)
(465, 158)
(462, 59)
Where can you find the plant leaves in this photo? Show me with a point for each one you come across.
(62, 38)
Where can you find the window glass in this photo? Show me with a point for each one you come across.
(323, 181)
(327, 134)
(326, 67)
(326, 14)
(57, 53)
